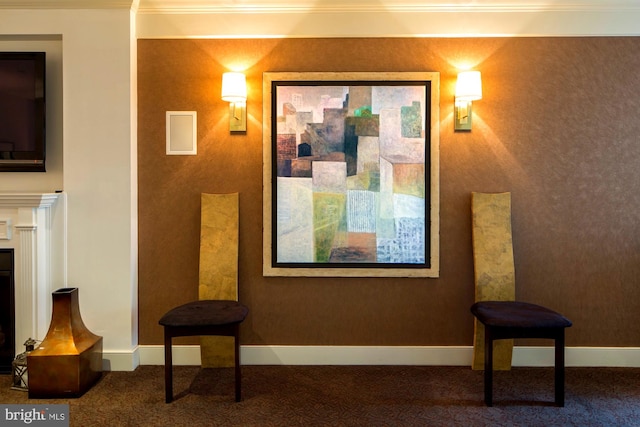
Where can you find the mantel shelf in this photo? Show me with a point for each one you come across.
(28, 200)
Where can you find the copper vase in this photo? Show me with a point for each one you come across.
(69, 359)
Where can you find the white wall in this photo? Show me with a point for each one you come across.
(99, 156)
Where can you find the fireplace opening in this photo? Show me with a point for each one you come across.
(7, 311)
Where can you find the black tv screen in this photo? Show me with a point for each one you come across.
(22, 112)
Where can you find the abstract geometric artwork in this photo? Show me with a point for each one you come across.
(351, 174)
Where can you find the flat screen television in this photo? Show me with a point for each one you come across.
(22, 112)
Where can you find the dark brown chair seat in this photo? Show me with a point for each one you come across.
(513, 319)
(205, 317)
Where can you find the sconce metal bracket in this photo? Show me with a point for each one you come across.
(237, 117)
(462, 116)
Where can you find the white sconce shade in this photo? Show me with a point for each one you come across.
(468, 89)
(469, 86)
(234, 87)
(234, 91)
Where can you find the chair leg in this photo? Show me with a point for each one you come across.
(168, 367)
(559, 369)
(488, 367)
(238, 373)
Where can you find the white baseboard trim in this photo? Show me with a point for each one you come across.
(121, 360)
(374, 355)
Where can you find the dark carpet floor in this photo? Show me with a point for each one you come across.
(352, 396)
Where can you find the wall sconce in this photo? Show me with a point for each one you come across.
(234, 90)
(468, 89)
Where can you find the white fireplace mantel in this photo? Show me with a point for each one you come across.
(28, 200)
(33, 225)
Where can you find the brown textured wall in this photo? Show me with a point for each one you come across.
(557, 127)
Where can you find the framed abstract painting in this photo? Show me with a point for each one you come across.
(351, 174)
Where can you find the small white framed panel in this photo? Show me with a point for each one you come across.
(182, 133)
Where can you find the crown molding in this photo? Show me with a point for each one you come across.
(306, 6)
(68, 4)
(158, 19)
(360, 6)
(363, 18)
